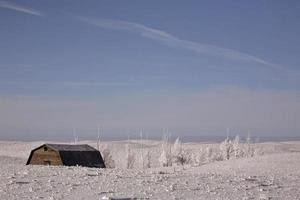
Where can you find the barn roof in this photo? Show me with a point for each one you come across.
(72, 155)
(71, 147)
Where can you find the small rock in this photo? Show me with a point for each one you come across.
(172, 188)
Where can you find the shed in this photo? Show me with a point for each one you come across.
(66, 154)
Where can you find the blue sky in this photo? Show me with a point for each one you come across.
(195, 67)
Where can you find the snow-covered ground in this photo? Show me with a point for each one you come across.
(272, 173)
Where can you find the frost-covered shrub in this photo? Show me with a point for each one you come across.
(208, 153)
(177, 147)
(226, 148)
(194, 159)
(216, 155)
(177, 152)
(147, 160)
(130, 158)
(181, 158)
(205, 154)
(258, 151)
(179, 155)
(237, 147)
(165, 158)
(199, 157)
(249, 148)
(107, 158)
(130, 161)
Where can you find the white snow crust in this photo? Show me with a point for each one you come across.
(273, 174)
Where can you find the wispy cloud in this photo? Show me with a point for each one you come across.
(19, 8)
(94, 84)
(68, 83)
(171, 40)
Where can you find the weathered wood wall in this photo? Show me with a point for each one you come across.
(48, 157)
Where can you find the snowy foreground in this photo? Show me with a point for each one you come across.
(274, 173)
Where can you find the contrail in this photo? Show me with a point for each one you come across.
(16, 7)
(171, 40)
(70, 83)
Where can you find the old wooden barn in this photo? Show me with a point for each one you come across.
(66, 154)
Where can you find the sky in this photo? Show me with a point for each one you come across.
(196, 68)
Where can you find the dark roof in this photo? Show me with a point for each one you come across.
(82, 158)
(71, 147)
